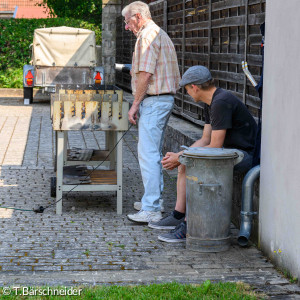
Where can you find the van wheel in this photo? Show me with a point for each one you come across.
(28, 94)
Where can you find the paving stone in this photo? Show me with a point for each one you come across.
(90, 244)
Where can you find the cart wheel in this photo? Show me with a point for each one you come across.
(28, 94)
(53, 187)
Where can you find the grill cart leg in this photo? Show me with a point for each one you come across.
(53, 187)
(55, 153)
(110, 143)
(61, 137)
(119, 167)
(65, 146)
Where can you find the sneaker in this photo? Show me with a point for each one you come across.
(177, 235)
(144, 216)
(168, 222)
(138, 205)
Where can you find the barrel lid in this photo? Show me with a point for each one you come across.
(214, 153)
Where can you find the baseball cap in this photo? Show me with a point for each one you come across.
(195, 75)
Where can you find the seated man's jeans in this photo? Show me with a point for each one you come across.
(246, 164)
(154, 115)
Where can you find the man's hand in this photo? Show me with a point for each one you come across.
(170, 161)
(132, 113)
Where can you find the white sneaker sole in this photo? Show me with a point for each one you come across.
(161, 227)
(137, 221)
(171, 240)
(132, 218)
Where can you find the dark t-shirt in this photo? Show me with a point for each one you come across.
(227, 112)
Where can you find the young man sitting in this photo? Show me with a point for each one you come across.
(228, 124)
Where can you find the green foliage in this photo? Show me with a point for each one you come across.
(89, 10)
(289, 276)
(16, 35)
(293, 279)
(11, 78)
(174, 290)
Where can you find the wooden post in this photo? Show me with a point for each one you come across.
(183, 49)
(165, 16)
(246, 49)
(209, 35)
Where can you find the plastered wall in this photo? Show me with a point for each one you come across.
(279, 216)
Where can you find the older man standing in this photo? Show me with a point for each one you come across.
(155, 79)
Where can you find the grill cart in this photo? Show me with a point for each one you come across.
(88, 107)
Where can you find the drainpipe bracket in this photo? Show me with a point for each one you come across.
(248, 213)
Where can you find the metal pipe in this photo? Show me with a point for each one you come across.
(247, 205)
(126, 68)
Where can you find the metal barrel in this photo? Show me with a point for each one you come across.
(209, 181)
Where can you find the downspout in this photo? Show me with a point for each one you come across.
(247, 205)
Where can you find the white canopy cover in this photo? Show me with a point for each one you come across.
(64, 47)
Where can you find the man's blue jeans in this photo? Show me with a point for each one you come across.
(246, 164)
(154, 115)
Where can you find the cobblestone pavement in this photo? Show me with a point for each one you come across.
(90, 243)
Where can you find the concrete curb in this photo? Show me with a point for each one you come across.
(18, 93)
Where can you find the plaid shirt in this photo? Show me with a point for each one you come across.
(155, 53)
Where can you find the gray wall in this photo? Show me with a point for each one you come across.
(279, 218)
(110, 10)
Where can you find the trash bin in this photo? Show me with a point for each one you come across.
(209, 180)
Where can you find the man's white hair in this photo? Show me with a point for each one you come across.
(137, 7)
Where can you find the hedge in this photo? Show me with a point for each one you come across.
(16, 35)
